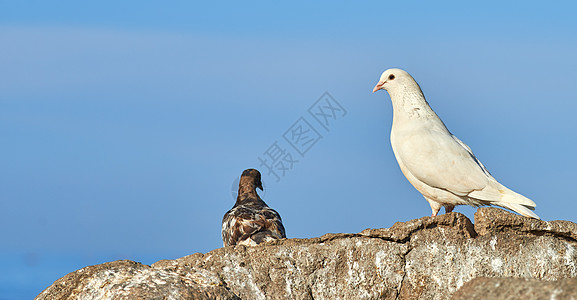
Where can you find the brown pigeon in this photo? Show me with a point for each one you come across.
(250, 221)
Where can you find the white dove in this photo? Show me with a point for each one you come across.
(437, 163)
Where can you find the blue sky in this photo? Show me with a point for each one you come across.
(124, 125)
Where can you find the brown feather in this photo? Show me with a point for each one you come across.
(251, 221)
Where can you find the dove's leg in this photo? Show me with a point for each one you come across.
(435, 206)
(449, 208)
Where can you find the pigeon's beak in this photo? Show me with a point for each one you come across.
(379, 86)
(260, 186)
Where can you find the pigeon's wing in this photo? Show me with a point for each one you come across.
(440, 160)
(477, 161)
(494, 191)
(241, 222)
(229, 228)
(273, 223)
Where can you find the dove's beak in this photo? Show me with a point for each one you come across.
(259, 186)
(379, 86)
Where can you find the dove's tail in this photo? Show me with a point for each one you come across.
(499, 195)
(516, 202)
(519, 208)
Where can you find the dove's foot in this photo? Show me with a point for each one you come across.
(436, 207)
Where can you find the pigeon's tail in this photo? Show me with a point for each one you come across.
(518, 208)
(517, 203)
(511, 200)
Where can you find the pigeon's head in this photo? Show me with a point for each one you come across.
(251, 176)
(393, 79)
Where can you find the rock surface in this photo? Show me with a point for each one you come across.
(517, 288)
(426, 258)
(126, 279)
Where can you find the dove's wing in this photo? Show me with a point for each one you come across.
(472, 155)
(440, 160)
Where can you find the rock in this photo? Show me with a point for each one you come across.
(494, 220)
(126, 279)
(426, 258)
(436, 266)
(517, 288)
(334, 266)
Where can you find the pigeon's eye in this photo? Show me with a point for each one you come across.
(391, 77)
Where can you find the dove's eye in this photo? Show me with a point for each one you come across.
(391, 77)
